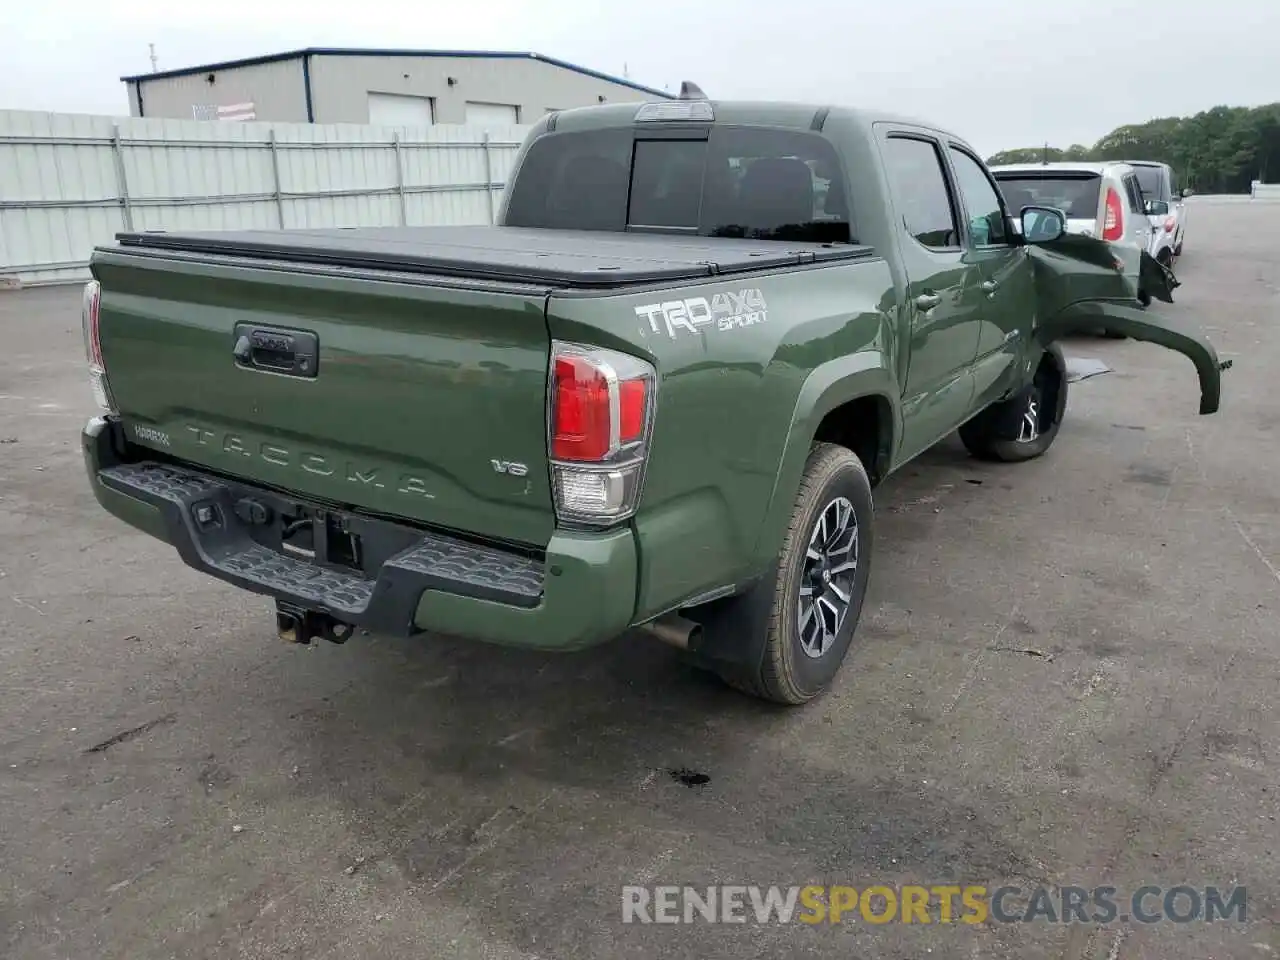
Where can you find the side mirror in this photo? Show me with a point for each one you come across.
(1157, 208)
(1042, 224)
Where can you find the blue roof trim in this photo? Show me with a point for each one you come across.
(374, 52)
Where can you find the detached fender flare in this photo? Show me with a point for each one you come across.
(830, 385)
(1151, 327)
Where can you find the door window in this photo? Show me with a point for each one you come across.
(920, 191)
(986, 214)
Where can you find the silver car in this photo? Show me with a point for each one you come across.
(1165, 206)
(1102, 200)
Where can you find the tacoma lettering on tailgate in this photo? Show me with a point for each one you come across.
(366, 475)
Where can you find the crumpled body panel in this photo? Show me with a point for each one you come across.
(1084, 284)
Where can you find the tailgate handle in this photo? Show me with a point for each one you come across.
(290, 353)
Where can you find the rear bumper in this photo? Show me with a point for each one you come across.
(582, 592)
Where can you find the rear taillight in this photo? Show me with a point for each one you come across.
(1113, 224)
(600, 414)
(1169, 224)
(93, 345)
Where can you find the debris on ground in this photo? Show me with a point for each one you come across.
(1082, 368)
(237, 828)
(129, 734)
(1027, 651)
(690, 778)
(354, 866)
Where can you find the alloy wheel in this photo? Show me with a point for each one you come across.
(1029, 425)
(826, 582)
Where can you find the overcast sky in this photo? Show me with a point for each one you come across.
(1002, 73)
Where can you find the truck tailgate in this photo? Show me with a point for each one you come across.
(422, 400)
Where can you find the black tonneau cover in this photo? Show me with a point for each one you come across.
(562, 257)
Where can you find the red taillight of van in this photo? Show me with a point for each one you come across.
(1113, 222)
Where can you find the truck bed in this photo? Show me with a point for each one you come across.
(515, 254)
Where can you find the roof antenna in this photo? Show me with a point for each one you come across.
(691, 91)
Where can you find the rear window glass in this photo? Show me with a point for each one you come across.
(743, 182)
(1077, 196)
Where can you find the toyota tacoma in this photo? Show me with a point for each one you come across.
(656, 394)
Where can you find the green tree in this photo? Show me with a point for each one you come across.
(1220, 150)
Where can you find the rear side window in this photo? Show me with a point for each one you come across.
(1075, 195)
(920, 191)
(745, 182)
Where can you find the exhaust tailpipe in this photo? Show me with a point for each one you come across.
(672, 629)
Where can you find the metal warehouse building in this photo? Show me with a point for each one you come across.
(415, 88)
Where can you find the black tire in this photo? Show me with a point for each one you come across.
(1177, 251)
(790, 673)
(1003, 431)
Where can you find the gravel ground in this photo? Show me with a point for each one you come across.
(174, 782)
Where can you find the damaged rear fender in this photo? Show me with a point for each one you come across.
(1150, 327)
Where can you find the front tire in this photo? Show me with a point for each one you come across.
(821, 580)
(1024, 426)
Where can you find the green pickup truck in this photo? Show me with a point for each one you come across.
(656, 395)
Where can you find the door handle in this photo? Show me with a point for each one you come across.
(292, 353)
(927, 301)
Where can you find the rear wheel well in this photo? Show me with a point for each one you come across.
(865, 426)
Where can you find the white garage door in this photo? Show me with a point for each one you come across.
(492, 114)
(397, 110)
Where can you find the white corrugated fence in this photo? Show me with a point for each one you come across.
(1265, 191)
(71, 181)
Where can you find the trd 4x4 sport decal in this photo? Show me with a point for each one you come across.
(724, 311)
